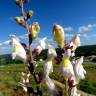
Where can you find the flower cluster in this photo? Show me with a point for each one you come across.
(70, 70)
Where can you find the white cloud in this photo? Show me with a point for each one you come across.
(48, 40)
(69, 35)
(86, 28)
(68, 29)
(93, 17)
(3, 47)
(5, 43)
(24, 36)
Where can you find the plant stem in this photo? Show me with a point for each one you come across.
(66, 87)
(29, 45)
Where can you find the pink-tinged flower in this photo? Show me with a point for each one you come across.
(48, 67)
(41, 46)
(78, 69)
(66, 68)
(51, 87)
(75, 43)
(72, 86)
(76, 40)
(34, 30)
(58, 59)
(19, 52)
(58, 34)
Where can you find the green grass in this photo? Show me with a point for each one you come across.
(89, 83)
(10, 76)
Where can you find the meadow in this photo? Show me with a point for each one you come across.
(10, 77)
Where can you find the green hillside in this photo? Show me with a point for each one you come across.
(86, 50)
(82, 50)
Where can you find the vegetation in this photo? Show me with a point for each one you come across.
(86, 50)
(10, 77)
(83, 50)
(89, 84)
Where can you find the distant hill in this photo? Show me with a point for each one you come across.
(87, 50)
(7, 59)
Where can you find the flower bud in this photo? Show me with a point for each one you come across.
(18, 2)
(26, 1)
(58, 33)
(29, 14)
(34, 30)
(20, 20)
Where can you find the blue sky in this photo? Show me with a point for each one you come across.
(74, 15)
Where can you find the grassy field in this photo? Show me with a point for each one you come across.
(10, 77)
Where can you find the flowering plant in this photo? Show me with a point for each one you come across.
(70, 70)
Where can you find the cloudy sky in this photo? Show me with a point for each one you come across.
(74, 15)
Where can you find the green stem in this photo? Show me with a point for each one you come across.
(30, 49)
(66, 87)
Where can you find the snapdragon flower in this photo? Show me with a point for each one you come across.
(51, 86)
(78, 69)
(75, 43)
(18, 52)
(41, 46)
(72, 86)
(66, 68)
(48, 67)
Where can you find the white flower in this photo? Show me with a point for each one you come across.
(78, 69)
(74, 92)
(48, 67)
(72, 86)
(51, 87)
(19, 52)
(75, 42)
(41, 46)
(25, 80)
(25, 77)
(24, 87)
(67, 53)
(66, 68)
